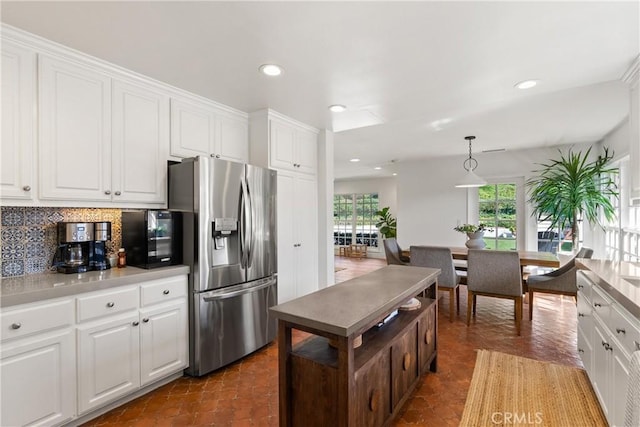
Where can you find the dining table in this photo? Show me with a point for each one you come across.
(540, 259)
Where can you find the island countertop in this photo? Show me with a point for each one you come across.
(348, 307)
(620, 279)
(39, 287)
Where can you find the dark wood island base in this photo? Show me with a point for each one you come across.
(325, 386)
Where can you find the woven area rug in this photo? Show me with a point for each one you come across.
(509, 390)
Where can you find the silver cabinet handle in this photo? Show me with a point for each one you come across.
(118, 193)
(26, 188)
(580, 314)
(606, 345)
(621, 331)
(580, 350)
(597, 304)
(580, 286)
(135, 323)
(110, 304)
(107, 192)
(145, 320)
(16, 325)
(166, 292)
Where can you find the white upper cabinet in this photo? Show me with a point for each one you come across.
(634, 127)
(282, 143)
(201, 128)
(18, 101)
(140, 145)
(75, 131)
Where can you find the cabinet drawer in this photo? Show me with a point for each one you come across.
(601, 304)
(32, 318)
(625, 329)
(106, 303)
(584, 285)
(161, 290)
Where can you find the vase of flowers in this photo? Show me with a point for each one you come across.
(475, 234)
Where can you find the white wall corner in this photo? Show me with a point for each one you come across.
(326, 276)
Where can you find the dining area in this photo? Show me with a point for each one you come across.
(512, 275)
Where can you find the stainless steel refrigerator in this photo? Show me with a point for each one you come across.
(229, 241)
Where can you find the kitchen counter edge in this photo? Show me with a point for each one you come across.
(41, 287)
(609, 275)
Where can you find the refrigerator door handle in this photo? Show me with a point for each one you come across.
(243, 225)
(230, 294)
(250, 234)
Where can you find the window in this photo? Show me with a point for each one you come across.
(354, 219)
(497, 211)
(622, 236)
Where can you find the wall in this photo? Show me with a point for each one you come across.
(29, 238)
(429, 205)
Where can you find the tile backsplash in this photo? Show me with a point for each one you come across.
(29, 239)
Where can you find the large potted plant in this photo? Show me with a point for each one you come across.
(573, 188)
(387, 224)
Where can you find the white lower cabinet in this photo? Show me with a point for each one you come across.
(38, 379)
(163, 337)
(38, 363)
(134, 336)
(607, 336)
(64, 358)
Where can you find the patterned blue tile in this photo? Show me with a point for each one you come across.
(35, 234)
(36, 265)
(12, 268)
(12, 235)
(35, 216)
(13, 251)
(54, 216)
(12, 216)
(36, 249)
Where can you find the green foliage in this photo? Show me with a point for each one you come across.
(571, 188)
(387, 224)
(470, 228)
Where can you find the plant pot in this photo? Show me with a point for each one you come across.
(476, 240)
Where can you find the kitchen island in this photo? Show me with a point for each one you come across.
(339, 385)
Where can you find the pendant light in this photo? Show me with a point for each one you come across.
(470, 179)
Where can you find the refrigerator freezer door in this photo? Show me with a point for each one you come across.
(231, 323)
(261, 187)
(220, 197)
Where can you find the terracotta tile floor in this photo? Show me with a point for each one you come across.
(246, 392)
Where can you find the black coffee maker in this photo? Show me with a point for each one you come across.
(75, 247)
(98, 257)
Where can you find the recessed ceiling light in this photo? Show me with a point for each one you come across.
(526, 84)
(354, 160)
(337, 108)
(270, 69)
(378, 168)
(394, 174)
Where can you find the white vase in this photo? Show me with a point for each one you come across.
(476, 240)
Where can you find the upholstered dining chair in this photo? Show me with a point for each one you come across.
(448, 280)
(561, 281)
(494, 274)
(393, 252)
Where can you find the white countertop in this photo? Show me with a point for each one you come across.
(612, 278)
(38, 287)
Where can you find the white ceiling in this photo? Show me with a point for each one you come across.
(399, 67)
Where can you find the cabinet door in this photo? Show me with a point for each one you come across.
(108, 361)
(18, 102)
(427, 336)
(140, 144)
(306, 234)
(232, 140)
(404, 365)
(286, 241)
(372, 400)
(281, 147)
(634, 130)
(192, 129)
(585, 351)
(163, 341)
(620, 383)
(75, 132)
(306, 151)
(600, 377)
(38, 380)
